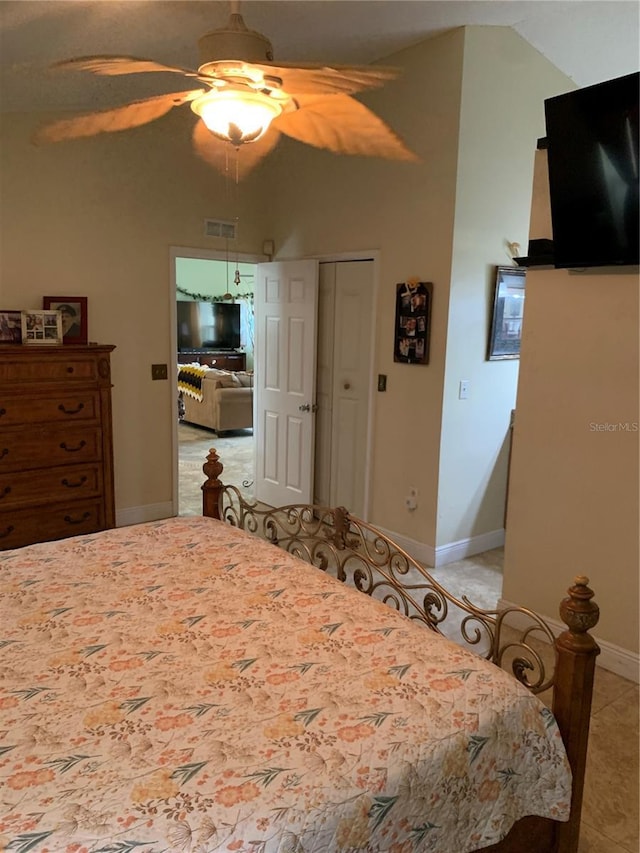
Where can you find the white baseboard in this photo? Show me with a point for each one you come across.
(614, 658)
(440, 556)
(424, 554)
(148, 512)
(468, 547)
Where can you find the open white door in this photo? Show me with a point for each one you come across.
(286, 300)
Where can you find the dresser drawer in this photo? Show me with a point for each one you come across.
(25, 488)
(40, 447)
(51, 366)
(24, 526)
(64, 406)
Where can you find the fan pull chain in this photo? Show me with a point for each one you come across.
(236, 277)
(227, 192)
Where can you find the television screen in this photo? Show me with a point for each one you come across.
(208, 325)
(592, 141)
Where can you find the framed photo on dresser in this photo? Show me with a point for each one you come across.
(41, 327)
(10, 327)
(73, 310)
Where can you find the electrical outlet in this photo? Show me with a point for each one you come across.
(411, 500)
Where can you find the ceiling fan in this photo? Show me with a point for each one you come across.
(245, 102)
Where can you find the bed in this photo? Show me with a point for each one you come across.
(187, 685)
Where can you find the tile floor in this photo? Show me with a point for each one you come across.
(235, 450)
(611, 797)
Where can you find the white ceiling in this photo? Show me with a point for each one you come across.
(589, 40)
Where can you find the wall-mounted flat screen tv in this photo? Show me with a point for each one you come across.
(592, 141)
(208, 325)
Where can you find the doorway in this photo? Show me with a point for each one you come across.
(206, 273)
(344, 425)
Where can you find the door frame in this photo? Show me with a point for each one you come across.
(203, 255)
(256, 258)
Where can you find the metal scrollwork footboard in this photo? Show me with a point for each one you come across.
(358, 554)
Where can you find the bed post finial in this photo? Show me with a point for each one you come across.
(577, 652)
(212, 486)
(580, 613)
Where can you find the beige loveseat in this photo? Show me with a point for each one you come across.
(227, 401)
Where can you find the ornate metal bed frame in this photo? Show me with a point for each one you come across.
(357, 553)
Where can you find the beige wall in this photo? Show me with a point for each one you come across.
(97, 218)
(327, 204)
(470, 104)
(504, 85)
(573, 494)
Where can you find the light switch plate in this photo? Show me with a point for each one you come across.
(159, 371)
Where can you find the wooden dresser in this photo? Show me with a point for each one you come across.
(56, 448)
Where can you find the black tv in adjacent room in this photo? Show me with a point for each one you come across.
(592, 142)
(208, 325)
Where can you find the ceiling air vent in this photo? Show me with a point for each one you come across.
(220, 228)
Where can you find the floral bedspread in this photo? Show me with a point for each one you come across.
(180, 685)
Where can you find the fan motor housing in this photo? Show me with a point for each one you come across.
(234, 42)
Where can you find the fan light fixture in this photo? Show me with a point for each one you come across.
(237, 115)
(241, 96)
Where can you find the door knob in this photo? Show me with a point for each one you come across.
(306, 407)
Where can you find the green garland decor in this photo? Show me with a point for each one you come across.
(202, 297)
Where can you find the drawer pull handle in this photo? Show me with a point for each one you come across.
(69, 485)
(7, 531)
(75, 411)
(85, 516)
(63, 445)
(4, 452)
(5, 492)
(69, 369)
(3, 412)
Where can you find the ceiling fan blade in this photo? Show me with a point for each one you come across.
(321, 79)
(111, 66)
(119, 118)
(344, 126)
(226, 159)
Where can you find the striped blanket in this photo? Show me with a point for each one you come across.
(190, 380)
